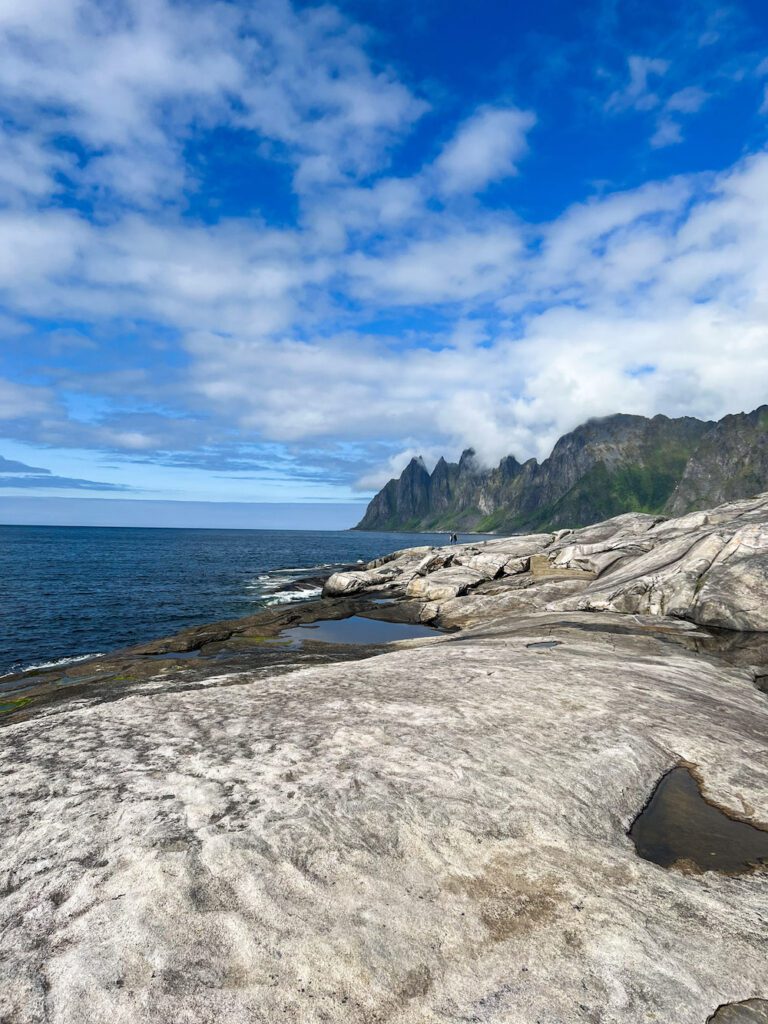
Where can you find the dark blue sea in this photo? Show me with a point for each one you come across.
(69, 591)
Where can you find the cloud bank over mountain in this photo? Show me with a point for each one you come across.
(270, 237)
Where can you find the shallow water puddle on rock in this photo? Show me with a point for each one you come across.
(543, 645)
(358, 630)
(678, 825)
(751, 1011)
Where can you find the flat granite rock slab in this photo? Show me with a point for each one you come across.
(438, 834)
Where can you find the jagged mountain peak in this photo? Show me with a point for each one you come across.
(469, 462)
(605, 466)
(416, 464)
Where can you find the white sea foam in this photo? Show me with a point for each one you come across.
(308, 569)
(288, 596)
(265, 585)
(271, 585)
(52, 664)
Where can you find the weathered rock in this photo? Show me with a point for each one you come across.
(444, 583)
(592, 558)
(542, 566)
(489, 565)
(503, 600)
(503, 557)
(402, 553)
(431, 836)
(710, 567)
(342, 583)
(515, 565)
(630, 525)
(734, 590)
(375, 576)
(522, 544)
(435, 559)
(707, 568)
(434, 835)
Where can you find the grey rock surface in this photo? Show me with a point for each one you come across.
(434, 835)
(445, 583)
(710, 567)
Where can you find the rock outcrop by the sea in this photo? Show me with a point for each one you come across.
(709, 567)
(433, 835)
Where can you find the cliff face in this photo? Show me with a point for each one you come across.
(401, 501)
(602, 468)
(731, 462)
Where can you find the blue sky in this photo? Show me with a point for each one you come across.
(265, 252)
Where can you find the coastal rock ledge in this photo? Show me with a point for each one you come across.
(435, 834)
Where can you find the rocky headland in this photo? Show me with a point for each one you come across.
(245, 824)
(602, 468)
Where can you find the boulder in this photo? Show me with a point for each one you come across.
(523, 544)
(341, 584)
(489, 564)
(662, 582)
(542, 566)
(733, 591)
(629, 524)
(403, 554)
(444, 583)
(434, 560)
(749, 1011)
(601, 556)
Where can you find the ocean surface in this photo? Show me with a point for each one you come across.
(69, 591)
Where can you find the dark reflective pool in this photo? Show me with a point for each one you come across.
(751, 1011)
(679, 825)
(357, 630)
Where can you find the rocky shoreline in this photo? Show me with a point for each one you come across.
(230, 825)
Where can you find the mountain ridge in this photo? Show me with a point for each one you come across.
(605, 466)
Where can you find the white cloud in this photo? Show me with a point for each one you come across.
(395, 465)
(486, 148)
(667, 133)
(455, 265)
(671, 275)
(647, 78)
(637, 93)
(669, 130)
(18, 401)
(688, 100)
(281, 333)
(132, 81)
